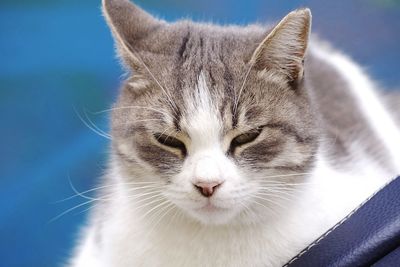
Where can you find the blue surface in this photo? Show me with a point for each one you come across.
(57, 55)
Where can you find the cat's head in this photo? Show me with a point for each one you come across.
(217, 115)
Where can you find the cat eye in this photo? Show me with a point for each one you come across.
(170, 141)
(244, 139)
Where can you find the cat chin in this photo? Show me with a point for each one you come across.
(215, 216)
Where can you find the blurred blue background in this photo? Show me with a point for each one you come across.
(57, 56)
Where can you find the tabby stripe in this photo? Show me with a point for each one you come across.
(183, 47)
(289, 130)
(298, 167)
(177, 118)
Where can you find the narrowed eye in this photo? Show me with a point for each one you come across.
(170, 141)
(244, 139)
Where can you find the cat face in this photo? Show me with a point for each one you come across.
(218, 115)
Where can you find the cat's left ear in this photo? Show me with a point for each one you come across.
(284, 48)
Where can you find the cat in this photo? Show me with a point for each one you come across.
(231, 145)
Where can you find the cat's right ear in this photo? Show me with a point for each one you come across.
(132, 29)
(283, 50)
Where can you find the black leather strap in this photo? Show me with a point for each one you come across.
(364, 238)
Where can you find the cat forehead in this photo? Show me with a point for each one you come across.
(200, 60)
(202, 120)
(189, 35)
(206, 112)
(184, 49)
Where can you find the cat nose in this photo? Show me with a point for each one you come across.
(207, 189)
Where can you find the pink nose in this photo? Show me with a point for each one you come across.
(207, 189)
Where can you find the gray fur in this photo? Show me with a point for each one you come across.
(166, 59)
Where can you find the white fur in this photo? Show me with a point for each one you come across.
(205, 238)
(203, 127)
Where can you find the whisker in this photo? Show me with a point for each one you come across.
(94, 125)
(166, 92)
(268, 208)
(136, 55)
(145, 187)
(241, 88)
(292, 187)
(155, 207)
(172, 218)
(283, 184)
(69, 210)
(290, 193)
(154, 193)
(164, 212)
(250, 211)
(77, 192)
(132, 107)
(142, 200)
(90, 127)
(102, 187)
(270, 201)
(275, 195)
(287, 175)
(148, 203)
(87, 209)
(136, 121)
(279, 188)
(110, 196)
(166, 135)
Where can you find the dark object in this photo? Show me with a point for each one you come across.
(369, 236)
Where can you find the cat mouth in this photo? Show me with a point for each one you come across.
(211, 213)
(211, 208)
